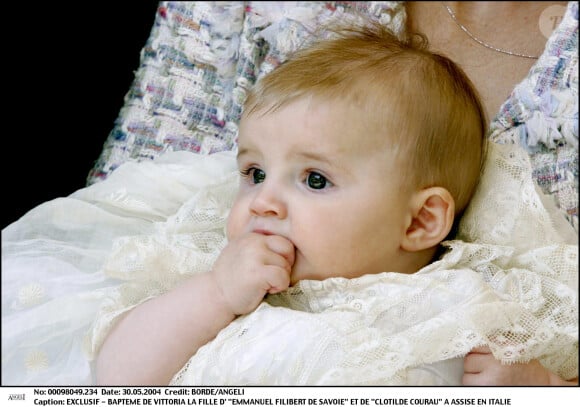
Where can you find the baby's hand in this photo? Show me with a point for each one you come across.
(482, 369)
(250, 267)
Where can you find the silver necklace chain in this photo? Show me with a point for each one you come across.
(473, 37)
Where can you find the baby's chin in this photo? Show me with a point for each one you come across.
(296, 276)
(306, 270)
(300, 275)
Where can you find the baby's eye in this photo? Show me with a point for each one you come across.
(256, 175)
(316, 180)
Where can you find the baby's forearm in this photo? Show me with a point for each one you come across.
(153, 341)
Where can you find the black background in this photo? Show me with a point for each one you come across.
(67, 68)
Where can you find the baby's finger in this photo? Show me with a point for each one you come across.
(474, 362)
(277, 279)
(478, 379)
(282, 246)
(484, 349)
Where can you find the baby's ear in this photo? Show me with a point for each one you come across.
(433, 212)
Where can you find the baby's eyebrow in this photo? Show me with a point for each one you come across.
(242, 152)
(309, 155)
(302, 155)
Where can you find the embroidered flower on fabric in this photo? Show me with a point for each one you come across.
(31, 294)
(36, 360)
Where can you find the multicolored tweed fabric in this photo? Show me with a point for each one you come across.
(541, 115)
(195, 69)
(202, 57)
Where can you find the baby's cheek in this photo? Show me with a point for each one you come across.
(233, 225)
(230, 230)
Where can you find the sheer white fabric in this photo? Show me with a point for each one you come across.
(53, 276)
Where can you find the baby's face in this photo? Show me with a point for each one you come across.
(312, 176)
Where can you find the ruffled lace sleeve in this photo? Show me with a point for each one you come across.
(184, 242)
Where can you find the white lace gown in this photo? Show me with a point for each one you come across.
(514, 288)
(72, 266)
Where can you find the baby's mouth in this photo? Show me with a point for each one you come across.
(268, 232)
(263, 232)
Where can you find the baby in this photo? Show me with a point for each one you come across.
(357, 156)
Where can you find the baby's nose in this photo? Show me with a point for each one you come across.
(269, 202)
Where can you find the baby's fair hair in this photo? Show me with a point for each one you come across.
(421, 101)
